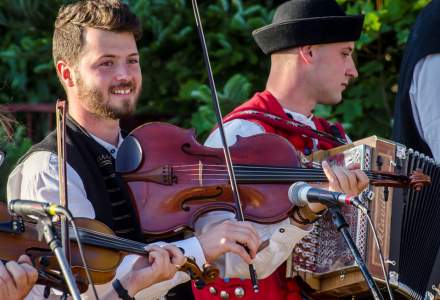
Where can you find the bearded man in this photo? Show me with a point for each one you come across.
(98, 64)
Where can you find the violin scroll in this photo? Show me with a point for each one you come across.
(416, 180)
(201, 277)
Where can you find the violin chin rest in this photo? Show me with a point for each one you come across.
(129, 156)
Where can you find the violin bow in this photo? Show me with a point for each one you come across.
(61, 115)
(216, 104)
(61, 111)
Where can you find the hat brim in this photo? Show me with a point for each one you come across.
(311, 31)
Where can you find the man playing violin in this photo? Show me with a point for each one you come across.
(310, 43)
(97, 62)
(18, 278)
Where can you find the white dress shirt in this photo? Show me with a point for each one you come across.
(283, 235)
(425, 101)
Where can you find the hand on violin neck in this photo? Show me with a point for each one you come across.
(17, 278)
(161, 264)
(240, 238)
(350, 181)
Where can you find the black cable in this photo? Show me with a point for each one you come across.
(379, 248)
(69, 217)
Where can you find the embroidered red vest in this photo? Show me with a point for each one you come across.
(265, 110)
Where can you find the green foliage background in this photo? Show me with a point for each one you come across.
(175, 81)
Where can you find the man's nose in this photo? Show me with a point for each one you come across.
(351, 70)
(123, 73)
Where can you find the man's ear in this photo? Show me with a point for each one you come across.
(306, 53)
(65, 73)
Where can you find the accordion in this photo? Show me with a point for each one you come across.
(406, 222)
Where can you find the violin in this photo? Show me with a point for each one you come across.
(103, 251)
(173, 179)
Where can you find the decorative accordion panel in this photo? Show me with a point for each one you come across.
(324, 250)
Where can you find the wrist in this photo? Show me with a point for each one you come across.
(125, 288)
(305, 215)
(317, 208)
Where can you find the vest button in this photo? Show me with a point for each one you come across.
(212, 290)
(224, 295)
(239, 292)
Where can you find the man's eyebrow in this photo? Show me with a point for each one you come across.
(349, 48)
(113, 56)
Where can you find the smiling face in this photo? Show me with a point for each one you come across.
(107, 78)
(334, 68)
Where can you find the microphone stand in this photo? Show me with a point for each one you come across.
(342, 227)
(45, 228)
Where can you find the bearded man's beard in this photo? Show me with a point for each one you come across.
(94, 101)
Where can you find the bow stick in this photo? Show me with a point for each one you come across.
(238, 207)
(61, 111)
(61, 115)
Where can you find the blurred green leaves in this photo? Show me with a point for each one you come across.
(175, 86)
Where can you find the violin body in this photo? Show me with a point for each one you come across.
(177, 178)
(173, 179)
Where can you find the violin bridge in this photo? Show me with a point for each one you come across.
(200, 173)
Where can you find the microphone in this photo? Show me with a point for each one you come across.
(301, 194)
(36, 208)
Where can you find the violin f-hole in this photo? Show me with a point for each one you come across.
(187, 149)
(206, 195)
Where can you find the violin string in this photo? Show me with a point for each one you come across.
(302, 174)
(118, 240)
(111, 240)
(115, 244)
(291, 175)
(263, 168)
(105, 241)
(305, 174)
(196, 166)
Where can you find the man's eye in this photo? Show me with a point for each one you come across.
(133, 61)
(107, 64)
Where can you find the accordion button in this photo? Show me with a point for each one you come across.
(212, 290)
(224, 295)
(239, 292)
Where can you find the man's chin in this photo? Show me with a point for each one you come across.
(114, 113)
(121, 114)
(331, 101)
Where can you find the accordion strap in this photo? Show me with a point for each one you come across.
(287, 125)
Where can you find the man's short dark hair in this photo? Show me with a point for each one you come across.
(72, 19)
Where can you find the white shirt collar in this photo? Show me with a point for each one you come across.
(301, 118)
(109, 147)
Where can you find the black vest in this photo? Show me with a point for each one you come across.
(104, 188)
(423, 40)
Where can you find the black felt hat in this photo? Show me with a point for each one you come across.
(307, 22)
